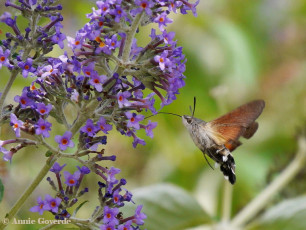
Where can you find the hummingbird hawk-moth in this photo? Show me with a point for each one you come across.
(219, 137)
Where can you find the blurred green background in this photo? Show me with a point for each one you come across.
(236, 51)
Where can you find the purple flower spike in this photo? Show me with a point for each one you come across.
(59, 38)
(64, 141)
(43, 109)
(16, 124)
(41, 207)
(7, 154)
(137, 141)
(133, 120)
(97, 81)
(51, 203)
(126, 226)
(56, 168)
(162, 20)
(43, 127)
(89, 128)
(123, 99)
(139, 217)
(144, 5)
(149, 128)
(110, 215)
(162, 60)
(26, 67)
(103, 125)
(72, 179)
(108, 226)
(84, 169)
(4, 57)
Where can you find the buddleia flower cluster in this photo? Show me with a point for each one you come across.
(107, 82)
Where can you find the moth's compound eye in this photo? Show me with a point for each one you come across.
(188, 120)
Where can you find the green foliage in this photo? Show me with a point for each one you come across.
(169, 207)
(287, 215)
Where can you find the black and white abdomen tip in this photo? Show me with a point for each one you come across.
(228, 169)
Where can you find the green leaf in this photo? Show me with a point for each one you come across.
(78, 208)
(287, 215)
(167, 207)
(1, 190)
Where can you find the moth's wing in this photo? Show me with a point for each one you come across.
(240, 122)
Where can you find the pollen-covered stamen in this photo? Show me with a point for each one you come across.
(41, 206)
(43, 127)
(23, 102)
(96, 81)
(53, 204)
(2, 58)
(27, 67)
(144, 5)
(161, 19)
(77, 43)
(98, 39)
(16, 126)
(101, 24)
(87, 73)
(51, 70)
(42, 111)
(64, 141)
(132, 119)
(161, 60)
(120, 98)
(89, 129)
(102, 44)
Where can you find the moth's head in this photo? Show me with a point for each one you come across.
(187, 121)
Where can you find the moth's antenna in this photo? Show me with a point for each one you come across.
(194, 105)
(163, 113)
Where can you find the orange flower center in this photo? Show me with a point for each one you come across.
(87, 73)
(22, 101)
(89, 129)
(96, 81)
(132, 119)
(42, 111)
(161, 20)
(27, 67)
(108, 215)
(161, 59)
(53, 204)
(101, 24)
(120, 98)
(77, 42)
(102, 44)
(42, 127)
(64, 141)
(101, 127)
(16, 126)
(2, 59)
(71, 181)
(98, 39)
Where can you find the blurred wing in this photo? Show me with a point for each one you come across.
(240, 122)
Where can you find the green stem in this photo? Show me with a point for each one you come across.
(251, 210)
(130, 36)
(227, 201)
(6, 90)
(43, 172)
